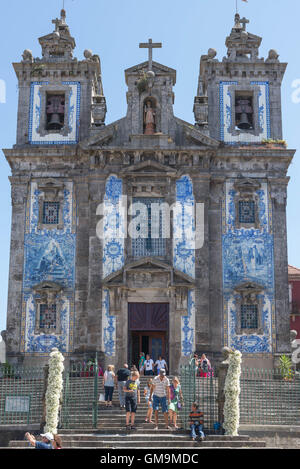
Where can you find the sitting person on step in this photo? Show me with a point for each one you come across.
(196, 422)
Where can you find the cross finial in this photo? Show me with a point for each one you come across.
(57, 23)
(244, 21)
(150, 45)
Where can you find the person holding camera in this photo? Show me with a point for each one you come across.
(46, 442)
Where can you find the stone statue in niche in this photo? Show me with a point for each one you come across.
(149, 119)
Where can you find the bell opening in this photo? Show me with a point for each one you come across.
(244, 112)
(55, 111)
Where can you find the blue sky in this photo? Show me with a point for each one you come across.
(113, 29)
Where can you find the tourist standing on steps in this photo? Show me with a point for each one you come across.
(109, 383)
(132, 398)
(120, 379)
(195, 361)
(160, 389)
(204, 366)
(141, 362)
(148, 402)
(149, 366)
(161, 363)
(176, 398)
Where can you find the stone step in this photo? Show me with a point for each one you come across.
(153, 436)
(164, 443)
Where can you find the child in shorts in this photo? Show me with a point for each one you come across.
(132, 398)
(150, 406)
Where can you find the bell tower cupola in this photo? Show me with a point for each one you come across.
(239, 98)
(150, 96)
(60, 97)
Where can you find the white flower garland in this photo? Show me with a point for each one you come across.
(54, 390)
(232, 392)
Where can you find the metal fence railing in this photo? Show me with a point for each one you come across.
(21, 394)
(80, 395)
(267, 398)
(201, 390)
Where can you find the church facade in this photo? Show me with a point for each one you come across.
(149, 234)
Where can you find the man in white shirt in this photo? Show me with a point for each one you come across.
(160, 389)
(161, 363)
(149, 366)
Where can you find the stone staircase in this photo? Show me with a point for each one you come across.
(91, 439)
(111, 430)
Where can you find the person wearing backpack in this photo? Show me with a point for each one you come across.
(204, 366)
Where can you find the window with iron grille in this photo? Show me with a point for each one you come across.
(249, 316)
(47, 316)
(246, 211)
(51, 213)
(149, 245)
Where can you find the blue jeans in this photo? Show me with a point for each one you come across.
(121, 385)
(157, 401)
(196, 427)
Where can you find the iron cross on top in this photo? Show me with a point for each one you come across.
(150, 45)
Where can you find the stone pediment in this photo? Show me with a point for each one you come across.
(246, 185)
(247, 288)
(157, 68)
(149, 168)
(100, 137)
(194, 135)
(144, 272)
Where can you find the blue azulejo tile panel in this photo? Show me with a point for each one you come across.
(42, 343)
(39, 136)
(226, 105)
(49, 256)
(188, 327)
(248, 256)
(251, 343)
(108, 327)
(264, 208)
(113, 227)
(184, 227)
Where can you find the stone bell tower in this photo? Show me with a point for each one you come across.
(238, 103)
(60, 98)
(60, 102)
(150, 99)
(239, 98)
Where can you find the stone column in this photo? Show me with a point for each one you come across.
(12, 335)
(215, 263)
(278, 191)
(94, 301)
(82, 257)
(222, 373)
(201, 185)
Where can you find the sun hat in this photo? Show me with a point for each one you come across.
(47, 435)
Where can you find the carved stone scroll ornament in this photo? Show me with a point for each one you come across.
(115, 300)
(181, 299)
